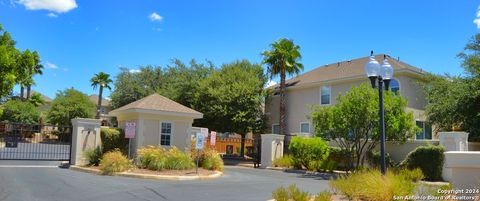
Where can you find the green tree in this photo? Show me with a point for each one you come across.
(69, 104)
(34, 69)
(131, 86)
(20, 112)
(454, 100)
(177, 81)
(100, 80)
(8, 66)
(36, 99)
(231, 99)
(281, 60)
(353, 123)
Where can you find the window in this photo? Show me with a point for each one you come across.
(426, 131)
(304, 127)
(394, 86)
(165, 133)
(325, 95)
(275, 128)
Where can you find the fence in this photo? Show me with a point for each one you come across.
(230, 146)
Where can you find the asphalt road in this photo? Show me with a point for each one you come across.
(27, 180)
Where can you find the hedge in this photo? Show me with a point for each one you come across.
(113, 138)
(429, 159)
(306, 150)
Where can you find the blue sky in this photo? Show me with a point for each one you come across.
(78, 38)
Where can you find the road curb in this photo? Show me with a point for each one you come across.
(150, 176)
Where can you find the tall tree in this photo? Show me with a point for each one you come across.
(231, 99)
(8, 60)
(100, 80)
(69, 104)
(34, 69)
(281, 60)
(353, 122)
(454, 101)
(24, 64)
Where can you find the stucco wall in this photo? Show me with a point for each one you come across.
(148, 130)
(300, 100)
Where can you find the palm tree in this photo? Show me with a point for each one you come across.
(281, 60)
(103, 80)
(22, 72)
(35, 69)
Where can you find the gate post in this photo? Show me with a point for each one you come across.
(86, 135)
(452, 141)
(272, 148)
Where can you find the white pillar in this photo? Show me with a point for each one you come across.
(452, 141)
(86, 135)
(272, 148)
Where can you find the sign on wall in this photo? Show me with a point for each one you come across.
(130, 128)
(213, 138)
(200, 140)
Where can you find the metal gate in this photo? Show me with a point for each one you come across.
(35, 142)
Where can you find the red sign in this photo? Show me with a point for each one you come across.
(130, 128)
(213, 138)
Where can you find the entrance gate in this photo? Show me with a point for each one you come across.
(35, 142)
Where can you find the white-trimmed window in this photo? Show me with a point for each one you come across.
(276, 128)
(305, 127)
(325, 95)
(165, 133)
(425, 132)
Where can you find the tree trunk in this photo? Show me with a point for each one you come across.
(29, 89)
(242, 146)
(99, 105)
(22, 92)
(283, 113)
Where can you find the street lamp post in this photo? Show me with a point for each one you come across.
(383, 74)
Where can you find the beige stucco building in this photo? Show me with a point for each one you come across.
(159, 121)
(322, 85)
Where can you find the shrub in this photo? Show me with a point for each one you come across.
(373, 157)
(20, 111)
(305, 150)
(323, 196)
(414, 175)
(429, 159)
(285, 161)
(114, 161)
(157, 158)
(152, 158)
(113, 138)
(339, 157)
(372, 185)
(211, 160)
(178, 160)
(93, 155)
(290, 193)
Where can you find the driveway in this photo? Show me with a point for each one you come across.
(24, 180)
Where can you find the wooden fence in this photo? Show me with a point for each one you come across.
(229, 146)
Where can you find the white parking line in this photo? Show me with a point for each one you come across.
(28, 166)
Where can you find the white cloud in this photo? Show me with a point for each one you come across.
(271, 83)
(52, 15)
(477, 18)
(134, 71)
(155, 17)
(57, 6)
(51, 65)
